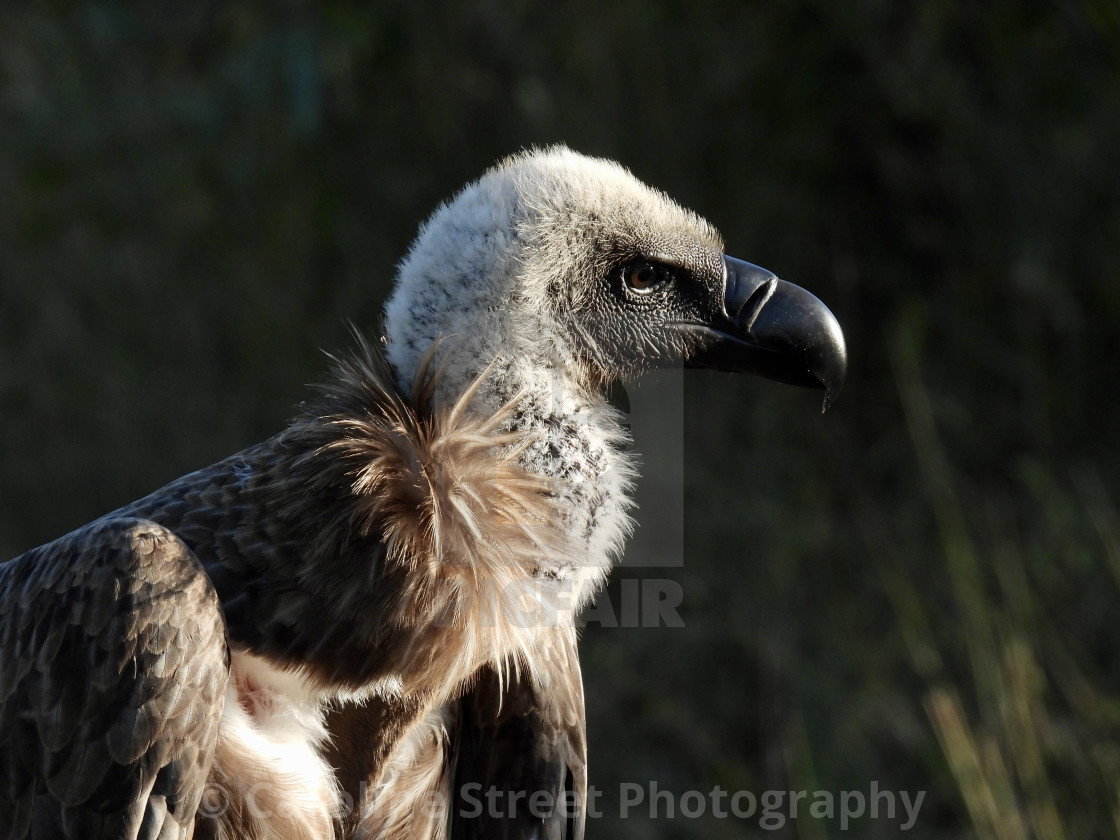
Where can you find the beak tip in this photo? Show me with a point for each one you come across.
(829, 396)
(835, 369)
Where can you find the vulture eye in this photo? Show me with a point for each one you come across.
(646, 277)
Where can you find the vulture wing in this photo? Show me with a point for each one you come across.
(521, 770)
(113, 672)
(507, 760)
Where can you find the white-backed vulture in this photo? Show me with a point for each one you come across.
(346, 629)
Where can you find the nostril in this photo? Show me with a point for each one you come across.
(752, 306)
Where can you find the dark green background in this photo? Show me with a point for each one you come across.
(919, 588)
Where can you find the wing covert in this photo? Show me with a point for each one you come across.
(113, 669)
(521, 770)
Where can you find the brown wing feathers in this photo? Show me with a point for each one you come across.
(113, 664)
(521, 767)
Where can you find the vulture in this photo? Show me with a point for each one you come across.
(365, 626)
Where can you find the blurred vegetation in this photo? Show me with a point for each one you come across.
(920, 588)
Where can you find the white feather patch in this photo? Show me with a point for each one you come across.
(268, 780)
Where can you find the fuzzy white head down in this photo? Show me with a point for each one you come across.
(513, 272)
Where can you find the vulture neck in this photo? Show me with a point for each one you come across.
(574, 438)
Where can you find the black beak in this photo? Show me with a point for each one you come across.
(773, 329)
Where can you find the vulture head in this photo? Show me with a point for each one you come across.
(553, 275)
(571, 273)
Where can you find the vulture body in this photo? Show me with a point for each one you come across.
(364, 626)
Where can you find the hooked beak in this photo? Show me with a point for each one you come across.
(773, 329)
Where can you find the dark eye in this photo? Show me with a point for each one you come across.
(646, 277)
